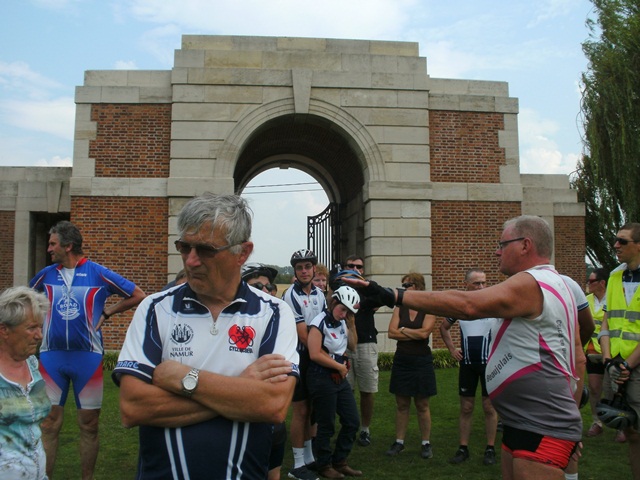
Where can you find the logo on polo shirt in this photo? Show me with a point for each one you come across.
(241, 338)
(182, 333)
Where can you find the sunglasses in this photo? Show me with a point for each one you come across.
(260, 286)
(202, 250)
(623, 241)
(592, 280)
(355, 265)
(408, 284)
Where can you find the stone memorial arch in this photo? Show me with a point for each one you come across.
(424, 170)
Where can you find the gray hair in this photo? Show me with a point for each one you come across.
(68, 234)
(471, 271)
(231, 213)
(536, 229)
(17, 302)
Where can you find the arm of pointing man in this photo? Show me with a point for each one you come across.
(518, 296)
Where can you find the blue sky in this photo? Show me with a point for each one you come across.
(535, 46)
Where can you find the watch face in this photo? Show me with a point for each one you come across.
(189, 383)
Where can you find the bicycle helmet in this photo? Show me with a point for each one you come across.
(336, 276)
(348, 297)
(616, 413)
(303, 255)
(252, 270)
(584, 399)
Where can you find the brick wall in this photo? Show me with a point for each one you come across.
(131, 140)
(570, 247)
(7, 227)
(464, 146)
(465, 235)
(129, 236)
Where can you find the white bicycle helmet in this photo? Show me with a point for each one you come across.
(348, 297)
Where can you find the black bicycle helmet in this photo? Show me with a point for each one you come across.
(584, 399)
(303, 255)
(616, 413)
(252, 270)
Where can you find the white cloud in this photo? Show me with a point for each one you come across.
(539, 152)
(550, 9)
(17, 78)
(356, 19)
(54, 162)
(125, 65)
(161, 42)
(55, 116)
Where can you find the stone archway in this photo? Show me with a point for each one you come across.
(327, 143)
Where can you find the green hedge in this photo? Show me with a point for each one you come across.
(441, 359)
(109, 360)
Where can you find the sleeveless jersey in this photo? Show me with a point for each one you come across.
(531, 368)
(475, 339)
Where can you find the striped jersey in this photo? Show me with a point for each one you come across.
(77, 303)
(174, 325)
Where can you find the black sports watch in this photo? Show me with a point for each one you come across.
(190, 382)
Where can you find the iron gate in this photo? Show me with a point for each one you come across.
(323, 235)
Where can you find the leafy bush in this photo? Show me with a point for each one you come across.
(110, 359)
(441, 359)
(385, 360)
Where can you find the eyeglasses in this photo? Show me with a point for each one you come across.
(303, 266)
(623, 241)
(203, 250)
(408, 284)
(592, 280)
(359, 266)
(504, 243)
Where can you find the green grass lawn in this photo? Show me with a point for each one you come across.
(602, 458)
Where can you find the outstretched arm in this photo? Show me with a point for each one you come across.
(518, 296)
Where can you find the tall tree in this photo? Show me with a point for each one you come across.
(608, 175)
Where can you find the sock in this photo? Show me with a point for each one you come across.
(365, 429)
(571, 476)
(425, 442)
(308, 452)
(298, 457)
(400, 441)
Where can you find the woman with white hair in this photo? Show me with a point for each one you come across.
(22, 390)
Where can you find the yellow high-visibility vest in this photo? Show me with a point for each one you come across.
(597, 318)
(623, 319)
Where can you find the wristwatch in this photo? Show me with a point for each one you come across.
(190, 382)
